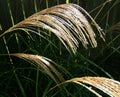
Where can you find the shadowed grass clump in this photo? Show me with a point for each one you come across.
(108, 86)
(66, 21)
(71, 24)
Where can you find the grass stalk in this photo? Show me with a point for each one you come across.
(37, 80)
(112, 6)
(47, 3)
(12, 20)
(67, 1)
(20, 84)
(35, 5)
(91, 62)
(78, 2)
(23, 9)
(0, 27)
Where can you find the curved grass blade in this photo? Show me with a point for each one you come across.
(43, 63)
(108, 86)
(0, 27)
(67, 21)
(114, 27)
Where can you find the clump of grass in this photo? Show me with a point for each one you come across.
(67, 22)
(108, 86)
(71, 24)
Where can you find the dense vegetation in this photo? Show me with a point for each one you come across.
(19, 78)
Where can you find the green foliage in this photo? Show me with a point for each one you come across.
(20, 79)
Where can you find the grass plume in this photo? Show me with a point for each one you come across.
(67, 21)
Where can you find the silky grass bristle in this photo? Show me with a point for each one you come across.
(67, 21)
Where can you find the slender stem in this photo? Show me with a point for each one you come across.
(20, 84)
(67, 1)
(37, 76)
(7, 49)
(47, 3)
(0, 27)
(23, 9)
(78, 2)
(102, 6)
(35, 4)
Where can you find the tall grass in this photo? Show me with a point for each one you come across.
(19, 78)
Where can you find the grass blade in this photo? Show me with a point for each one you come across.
(67, 21)
(43, 63)
(108, 86)
(20, 85)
